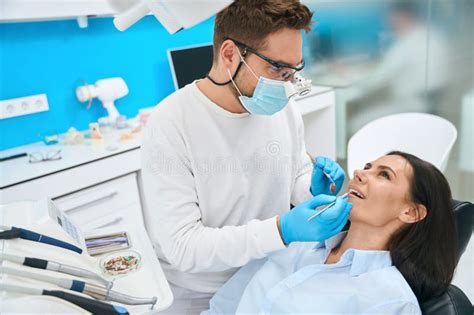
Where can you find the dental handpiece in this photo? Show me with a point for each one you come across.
(90, 305)
(323, 208)
(95, 291)
(55, 266)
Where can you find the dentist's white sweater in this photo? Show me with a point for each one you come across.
(214, 183)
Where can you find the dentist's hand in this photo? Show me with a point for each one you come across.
(320, 184)
(294, 225)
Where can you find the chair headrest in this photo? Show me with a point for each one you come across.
(452, 302)
(464, 216)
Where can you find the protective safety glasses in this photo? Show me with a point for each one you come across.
(36, 157)
(278, 69)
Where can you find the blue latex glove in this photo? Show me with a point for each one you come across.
(294, 225)
(320, 184)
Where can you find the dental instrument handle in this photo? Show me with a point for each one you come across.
(130, 300)
(324, 208)
(79, 272)
(20, 289)
(93, 306)
(13, 258)
(40, 238)
(80, 286)
(102, 294)
(35, 263)
(55, 266)
(10, 234)
(25, 261)
(64, 283)
(92, 290)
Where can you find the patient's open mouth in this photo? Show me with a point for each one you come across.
(356, 193)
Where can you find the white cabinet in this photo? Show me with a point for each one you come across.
(114, 202)
(95, 185)
(30, 10)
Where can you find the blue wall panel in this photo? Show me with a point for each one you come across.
(57, 56)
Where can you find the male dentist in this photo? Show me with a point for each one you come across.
(224, 157)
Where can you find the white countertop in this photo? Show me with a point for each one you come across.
(19, 170)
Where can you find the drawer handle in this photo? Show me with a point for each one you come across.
(93, 201)
(114, 221)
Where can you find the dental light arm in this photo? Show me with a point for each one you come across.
(173, 15)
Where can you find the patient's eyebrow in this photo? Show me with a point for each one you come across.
(384, 167)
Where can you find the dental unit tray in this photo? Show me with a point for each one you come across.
(145, 290)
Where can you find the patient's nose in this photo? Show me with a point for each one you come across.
(359, 176)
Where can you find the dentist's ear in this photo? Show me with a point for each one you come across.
(227, 55)
(413, 214)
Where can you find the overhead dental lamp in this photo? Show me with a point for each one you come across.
(107, 91)
(174, 15)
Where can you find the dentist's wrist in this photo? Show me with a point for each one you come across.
(278, 222)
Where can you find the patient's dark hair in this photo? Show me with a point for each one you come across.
(425, 252)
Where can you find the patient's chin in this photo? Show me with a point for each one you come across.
(355, 212)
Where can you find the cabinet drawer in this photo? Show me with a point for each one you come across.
(93, 203)
(128, 215)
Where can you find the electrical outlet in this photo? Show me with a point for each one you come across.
(23, 106)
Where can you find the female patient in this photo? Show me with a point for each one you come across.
(400, 249)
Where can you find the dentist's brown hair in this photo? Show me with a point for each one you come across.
(251, 21)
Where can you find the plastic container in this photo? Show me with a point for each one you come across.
(120, 263)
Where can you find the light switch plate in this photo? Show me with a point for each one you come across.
(23, 106)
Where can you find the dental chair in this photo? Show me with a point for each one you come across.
(454, 301)
(427, 136)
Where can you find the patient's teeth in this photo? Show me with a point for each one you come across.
(358, 194)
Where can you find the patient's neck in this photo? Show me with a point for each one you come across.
(360, 237)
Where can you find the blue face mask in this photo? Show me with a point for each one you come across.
(269, 97)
